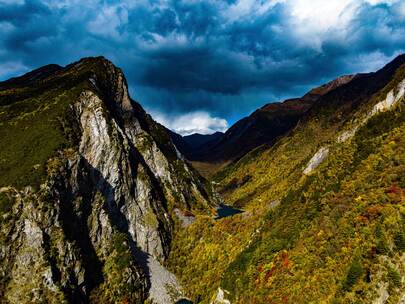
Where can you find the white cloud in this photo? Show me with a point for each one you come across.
(370, 62)
(194, 122)
(323, 14)
(317, 14)
(108, 21)
(314, 21)
(6, 27)
(376, 2)
(11, 68)
(248, 8)
(320, 15)
(171, 40)
(401, 10)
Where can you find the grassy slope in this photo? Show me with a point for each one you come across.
(34, 124)
(207, 170)
(335, 233)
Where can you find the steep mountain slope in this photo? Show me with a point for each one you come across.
(263, 126)
(199, 140)
(189, 145)
(88, 188)
(324, 208)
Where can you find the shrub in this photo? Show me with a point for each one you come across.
(353, 274)
(399, 240)
(382, 244)
(394, 278)
(5, 203)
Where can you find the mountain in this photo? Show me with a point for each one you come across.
(323, 207)
(90, 187)
(31, 78)
(263, 126)
(189, 145)
(97, 205)
(199, 140)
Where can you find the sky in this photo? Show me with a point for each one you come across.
(199, 66)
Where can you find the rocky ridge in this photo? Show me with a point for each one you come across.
(263, 127)
(105, 203)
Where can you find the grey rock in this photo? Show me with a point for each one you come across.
(114, 192)
(316, 160)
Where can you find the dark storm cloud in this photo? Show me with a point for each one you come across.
(222, 57)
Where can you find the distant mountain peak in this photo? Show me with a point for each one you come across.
(273, 120)
(32, 76)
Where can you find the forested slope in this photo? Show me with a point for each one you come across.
(324, 208)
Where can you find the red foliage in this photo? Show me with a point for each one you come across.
(125, 300)
(373, 252)
(270, 273)
(362, 219)
(187, 213)
(393, 189)
(373, 212)
(286, 261)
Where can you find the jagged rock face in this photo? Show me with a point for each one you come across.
(110, 195)
(123, 179)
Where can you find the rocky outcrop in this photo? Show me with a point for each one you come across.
(185, 219)
(106, 204)
(316, 160)
(220, 297)
(392, 98)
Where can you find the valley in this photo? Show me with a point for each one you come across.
(303, 201)
(323, 206)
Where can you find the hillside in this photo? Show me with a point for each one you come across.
(189, 145)
(97, 205)
(90, 187)
(324, 208)
(263, 126)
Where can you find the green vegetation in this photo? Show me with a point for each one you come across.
(333, 233)
(36, 120)
(399, 239)
(394, 277)
(331, 237)
(354, 274)
(207, 170)
(34, 125)
(5, 204)
(121, 282)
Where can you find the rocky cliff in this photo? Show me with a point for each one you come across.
(88, 188)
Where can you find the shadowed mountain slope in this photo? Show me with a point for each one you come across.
(263, 126)
(89, 186)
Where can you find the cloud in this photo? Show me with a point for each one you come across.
(109, 22)
(11, 1)
(9, 69)
(190, 123)
(224, 58)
